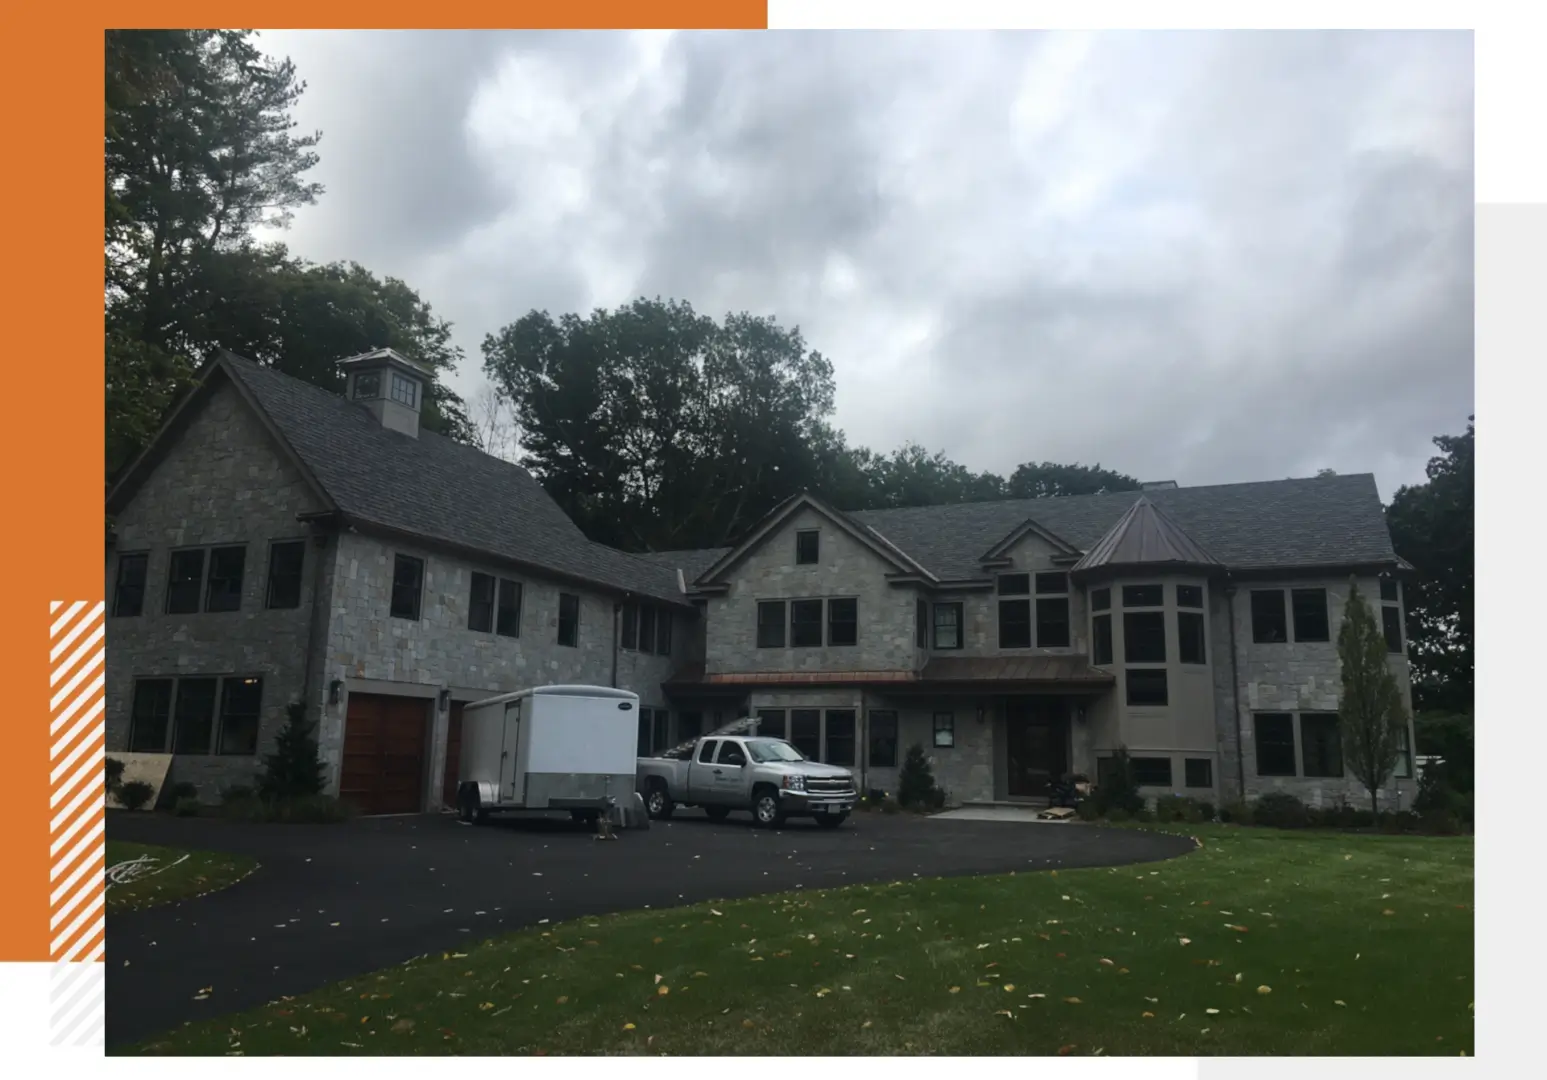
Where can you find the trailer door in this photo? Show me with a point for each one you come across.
(510, 753)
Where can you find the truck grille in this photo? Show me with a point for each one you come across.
(829, 785)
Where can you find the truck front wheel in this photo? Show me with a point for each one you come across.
(766, 811)
(658, 802)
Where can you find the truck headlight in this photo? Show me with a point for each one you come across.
(794, 783)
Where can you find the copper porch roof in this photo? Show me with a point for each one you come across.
(1052, 670)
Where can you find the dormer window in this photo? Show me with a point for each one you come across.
(368, 384)
(404, 390)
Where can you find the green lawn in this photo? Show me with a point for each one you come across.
(1263, 942)
(177, 879)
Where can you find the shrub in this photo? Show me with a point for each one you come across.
(1117, 813)
(1440, 823)
(135, 794)
(1118, 791)
(113, 770)
(237, 793)
(1280, 810)
(1086, 810)
(1144, 813)
(304, 810)
(187, 806)
(1236, 812)
(294, 769)
(916, 788)
(181, 790)
(1182, 808)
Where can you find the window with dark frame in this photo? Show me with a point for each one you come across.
(407, 586)
(404, 390)
(1275, 737)
(193, 715)
(807, 547)
(1144, 637)
(1309, 608)
(287, 561)
(770, 624)
(1052, 584)
(1404, 766)
(368, 384)
(1015, 624)
(771, 722)
(1388, 590)
(1053, 622)
(1189, 596)
(480, 603)
(1101, 635)
(628, 627)
(1141, 596)
(1100, 599)
(1146, 686)
(1321, 745)
(1391, 626)
(1151, 771)
(806, 732)
(569, 620)
(1199, 772)
(646, 730)
(663, 618)
(129, 586)
(921, 624)
(507, 615)
(1013, 584)
(945, 729)
(241, 705)
(843, 622)
(840, 737)
(150, 716)
(1190, 634)
(661, 730)
(883, 738)
(1270, 624)
(185, 581)
(948, 626)
(805, 624)
(646, 630)
(690, 725)
(223, 590)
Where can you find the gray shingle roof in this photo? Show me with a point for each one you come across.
(692, 562)
(1144, 536)
(1326, 521)
(439, 489)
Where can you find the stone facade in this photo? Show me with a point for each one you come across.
(224, 482)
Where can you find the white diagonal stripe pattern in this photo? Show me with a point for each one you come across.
(75, 1008)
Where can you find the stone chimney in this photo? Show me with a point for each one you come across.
(390, 385)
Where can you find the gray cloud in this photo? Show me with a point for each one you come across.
(1200, 256)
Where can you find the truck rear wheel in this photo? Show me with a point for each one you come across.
(658, 802)
(766, 810)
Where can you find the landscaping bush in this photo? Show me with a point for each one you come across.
(304, 810)
(237, 793)
(1117, 813)
(1236, 812)
(1118, 791)
(1440, 823)
(294, 770)
(135, 794)
(1144, 813)
(187, 806)
(916, 787)
(1280, 810)
(113, 771)
(1182, 808)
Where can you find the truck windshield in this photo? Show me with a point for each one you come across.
(772, 750)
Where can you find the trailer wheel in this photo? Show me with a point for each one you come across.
(469, 810)
(766, 811)
(658, 802)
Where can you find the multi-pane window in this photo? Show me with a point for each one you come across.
(1321, 745)
(1014, 615)
(1270, 624)
(840, 737)
(945, 729)
(1147, 686)
(129, 588)
(287, 559)
(1052, 611)
(193, 716)
(185, 581)
(1100, 599)
(770, 624)
(807, 547)
(368, 384)
(663, 620)
(150, 716)
(690, 725)
(1199, 772)
(507, 615)
(1310, 614)
(805, 623)
(569, 620)
(1275, 738)
(407, 586)
(1190, 645)
(1404, 767)
(1101, 634)
(480, 603)
(223, 590)
(948, 626)
(842, 622)
(1189, 596)
(241, 705)
(883, 738)
(806, 732)
(1151, 771)
(647, 630)
(405, 391)
(1391, 614)
(1141, 596)
(1144, 637)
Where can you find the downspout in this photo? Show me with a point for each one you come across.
(319, 542)
(617, 614)
(1235, 695)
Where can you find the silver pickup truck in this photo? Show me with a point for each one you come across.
(765, 776)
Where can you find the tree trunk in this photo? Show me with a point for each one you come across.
(1375, 809)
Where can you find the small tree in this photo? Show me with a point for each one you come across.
(916, 780)
(1370, 711)
(294, 769)
(1119, 791)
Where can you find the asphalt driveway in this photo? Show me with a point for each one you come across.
(331, 901)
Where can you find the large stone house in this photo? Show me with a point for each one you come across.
(278, 543)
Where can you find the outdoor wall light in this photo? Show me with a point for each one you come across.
(445, 699)
(335, 688)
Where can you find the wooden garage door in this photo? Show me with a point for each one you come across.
(453, 755)
(384, 745)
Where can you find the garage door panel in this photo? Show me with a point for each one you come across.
(384, 753)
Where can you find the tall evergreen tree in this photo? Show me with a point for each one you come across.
(294, 769)
(1370, 711)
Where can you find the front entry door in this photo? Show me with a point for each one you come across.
(1036, 745)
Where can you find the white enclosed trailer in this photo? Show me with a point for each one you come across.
(551, 748)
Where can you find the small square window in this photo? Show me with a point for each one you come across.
(185, 581)
(1144, 596)
(1144, 637)
(1014, 584)
(569, 620)
(1151, 771)
(1100, 599)
(407, 586)
(405, 391)
(842, 622)
(1147, 686)
(1275, 734)
(1101, 633)
(883, 738)
(770, 624)
(1189, 596)
(1270, 624)
(1190, 645)
(1015, 624)
(129, 589)
(287, 558)
(1052, 584)
(368, 384)
(1199, 772)
(805, 623)
(807, 547)
(945, 729)
(1310, 613)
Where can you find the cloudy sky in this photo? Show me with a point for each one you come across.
(1207, 257)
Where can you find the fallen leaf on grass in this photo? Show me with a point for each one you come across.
(658, 979)
(1073, 1001)
(403, 1025)
(1388, 911)
(748, 1024)
(628, 1027)
(1008, 987)
(1148, 1015)
(663, 990)
(1068, 1049)
(563, 1000)
(1212, 1012)
(1264, 989)
(1344, 1004)
(954, 990)
(1184, 941)
(1105, 961)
